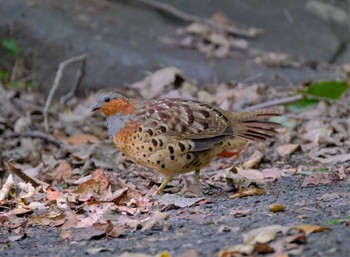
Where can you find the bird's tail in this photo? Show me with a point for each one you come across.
(255, 125)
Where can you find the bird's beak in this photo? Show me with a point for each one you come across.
(96, 107)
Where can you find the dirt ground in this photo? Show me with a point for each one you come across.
(204, 231)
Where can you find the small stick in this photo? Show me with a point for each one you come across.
(285, 100)
(36, 134)
(192, 18)
(19, 173)
(56, 83)
(75, 88)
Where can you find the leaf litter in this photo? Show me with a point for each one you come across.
(74, 179)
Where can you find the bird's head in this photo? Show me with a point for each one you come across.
(111, 102)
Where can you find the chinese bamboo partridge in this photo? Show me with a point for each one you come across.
(175, 136)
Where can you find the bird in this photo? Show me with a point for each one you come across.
(175, 136)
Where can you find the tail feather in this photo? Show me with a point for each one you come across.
(255, 125)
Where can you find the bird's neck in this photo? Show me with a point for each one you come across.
(115, 123)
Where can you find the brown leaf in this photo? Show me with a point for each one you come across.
(62, 171)
(310, 228)
(80, 139)
(85, 187)
(157, 219)
(263, 248)
(287, 149)
(240, 213)
(128, 254)
(114, 231)
(253, 161)
(66, 234)
(317, 178)
(251, 174)
(95, 231)
(16, 237)
(176, 200)
(248, 192)
(124, 220)
(99, 175)
(52, 195)
(53, 219)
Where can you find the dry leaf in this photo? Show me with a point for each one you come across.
(309, 228)
(66, 234)
(62, 171)
(176, 200)
(157, 219)
(251, 174)
(79, 139)
(128, 254)
(16, 237)
(95, 231)
(253, 161)
(287, 149)
(96, 250)
(248, 192)
(324, 178)
(239, 213)
(53, 219)
(114, 231)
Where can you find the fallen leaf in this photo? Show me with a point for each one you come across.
(263, 248)
(21, 210)
(240, 213)
(5, 190)
(124, 220)
(262, 235)
(114, 231)
(157, 219)
(52, 195)
(176, 200)
(253, 161)
(129, 254)
(85, 187)
(272, 173)
(310, 228)
(248, 192)
(99, 175)
(251, 174)
(66, 234)
(287, 149)
(62, 171)
(16, 237)
(95, 231)
(324, 178)
(96, 250)
(79, 139)
(51, 218)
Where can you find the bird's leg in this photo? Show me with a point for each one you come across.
(163, 185)
(196, 177)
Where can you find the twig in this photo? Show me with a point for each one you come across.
(19, 173)
(56, 83)
(36, 134)
(286, 100)
(192, 18)
(76, 86)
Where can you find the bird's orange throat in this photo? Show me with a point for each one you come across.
(117, 105)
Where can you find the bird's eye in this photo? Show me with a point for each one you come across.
(107, 99)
